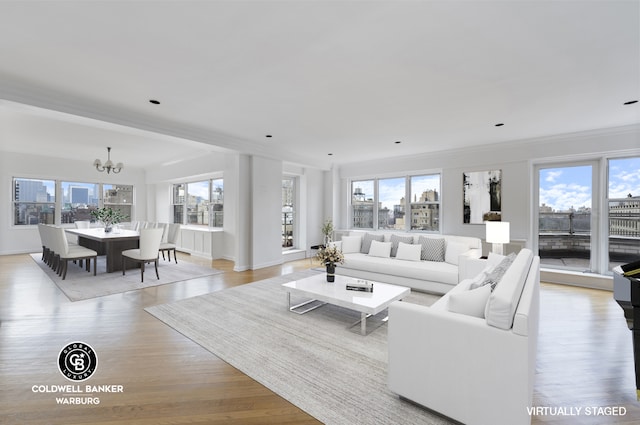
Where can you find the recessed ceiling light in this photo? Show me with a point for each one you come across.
(330, 154)
(268, 135)
(155, 102)
(631, 102)
(500, 124)
(397, 142)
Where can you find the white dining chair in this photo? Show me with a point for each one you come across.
(172, 233)
(65, 252)
(147, 253)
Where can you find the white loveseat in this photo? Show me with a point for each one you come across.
(476, 370)
(404, 265)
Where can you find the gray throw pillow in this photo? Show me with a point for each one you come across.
(433, 249)
(366, 241)
(494, 276)
(396, 239)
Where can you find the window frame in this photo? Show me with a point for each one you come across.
(407, 226)
(211, 204)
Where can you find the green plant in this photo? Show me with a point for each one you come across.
(327, 230)
(330, 255)
(108, 215)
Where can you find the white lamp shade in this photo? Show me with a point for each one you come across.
(497, 232)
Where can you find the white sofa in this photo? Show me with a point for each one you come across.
(476, 370)
(422, 275)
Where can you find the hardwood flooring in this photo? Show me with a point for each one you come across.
(584, 357)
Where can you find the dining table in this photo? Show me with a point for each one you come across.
(111, 244)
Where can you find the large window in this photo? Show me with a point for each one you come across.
(624, 210)
(78, 200)
(199, 203)
(584, 226)
(41, 201)
(564, 216)
(288, 212)
(33, 201)
(118, 197)
(403, 203)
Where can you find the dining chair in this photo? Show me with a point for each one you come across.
(172, 233)
(147, 253)
(65, 252)
(82, 224)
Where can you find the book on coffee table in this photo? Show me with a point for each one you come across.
(360, 285)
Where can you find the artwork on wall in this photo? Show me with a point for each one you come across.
(482, 196)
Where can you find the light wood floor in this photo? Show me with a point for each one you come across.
(584, 356)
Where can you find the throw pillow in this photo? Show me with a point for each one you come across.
(453, 251)
(407, 251)
(432, 248)
(367, 239)
(351, 244)
(396, 239)
(471, 303)
(494, 276)
(380, 249)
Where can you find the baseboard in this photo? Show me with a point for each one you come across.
(584, 280)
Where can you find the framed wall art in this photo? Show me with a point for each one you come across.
(482, 191)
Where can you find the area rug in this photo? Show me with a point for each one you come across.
(315, 360)
(81, 285)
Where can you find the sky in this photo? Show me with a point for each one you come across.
(565, 187)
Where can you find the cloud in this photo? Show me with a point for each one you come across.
(552, 176)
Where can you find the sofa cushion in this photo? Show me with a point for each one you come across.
(505, 297)
(471, 302)
(420, 270)
(367, 239)
(407, 251)
(396, 239)
(351, 244)
(432, 248)
(380, 249)
(453, 251)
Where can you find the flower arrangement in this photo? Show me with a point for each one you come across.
(330, 255)
(108, 216)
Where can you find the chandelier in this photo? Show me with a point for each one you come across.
(108, 166)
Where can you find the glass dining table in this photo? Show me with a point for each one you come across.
(110, 244)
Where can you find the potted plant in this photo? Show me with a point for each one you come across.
(108, 216)
(327, 231)
(330, 256)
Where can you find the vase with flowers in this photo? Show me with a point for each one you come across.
(108, 216)
(330, 256)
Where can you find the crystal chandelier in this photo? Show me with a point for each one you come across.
(108, 166)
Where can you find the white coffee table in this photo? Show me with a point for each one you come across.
(367, 303)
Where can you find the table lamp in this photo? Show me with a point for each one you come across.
(497, 235)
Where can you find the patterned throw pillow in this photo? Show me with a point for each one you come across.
(494, 276)
(396, 239)
(366, 241)
(432, 248)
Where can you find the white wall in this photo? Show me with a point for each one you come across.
(22, 239)
(516, 161)
(266, 217)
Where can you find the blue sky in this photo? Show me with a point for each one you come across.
(565, 187)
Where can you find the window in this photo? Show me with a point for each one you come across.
(425, 202)
(199, 203)
(419, 195)
(564, 216)
(78, 200)
(33, 201)
(119, 197)
(288, 212)
(217, 202)
(624, 211)
(362, 204)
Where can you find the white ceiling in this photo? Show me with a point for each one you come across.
(343, 77)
